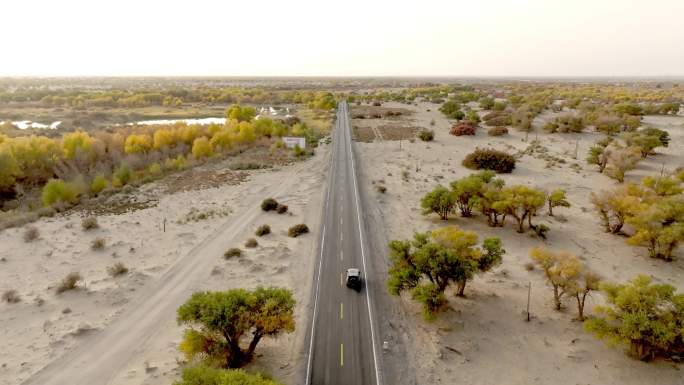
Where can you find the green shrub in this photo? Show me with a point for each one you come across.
(205, 375)
(298, 151)
(269, 204)
(57, 191)
(98, 184)
(122, 176)
(297, 230)
(69, 282)
(262, 230)
(232, 252)
(426, 135)
(490, 159)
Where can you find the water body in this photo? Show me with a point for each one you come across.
(25, 124)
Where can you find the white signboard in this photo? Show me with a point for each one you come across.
(292, 141)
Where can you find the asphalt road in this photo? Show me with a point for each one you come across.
(342, 341)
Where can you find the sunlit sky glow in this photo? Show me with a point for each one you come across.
(345, 38)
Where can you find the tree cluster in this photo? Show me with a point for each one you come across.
(431, 262)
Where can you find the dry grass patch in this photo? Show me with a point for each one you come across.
(297, 230)
(98, 244)
(232, 253)
(70, 282)
(251, 243)
(89, 223)
(117, 269)
(31, 234)
(263, 230)
(11, 296)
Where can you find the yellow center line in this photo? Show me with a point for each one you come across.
(341, 310)
(341, 354)
(341, 279)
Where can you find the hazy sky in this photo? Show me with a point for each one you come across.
(324, 37)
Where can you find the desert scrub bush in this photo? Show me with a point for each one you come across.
(69, 282)
(381, 189)
(207, 375)
(122, 176)
(454, 258)
(11, 296)
(251, 243)
(281, 209)
(98, 244)
(463, 128)
(426, 135)
(647, 317)
(297, 230)
(31, 234)
(489, 159)
(117, 269)
(557, 198)
(58, 191)
(98, 184)
(298, 151)
(497, 131)
(567, 275)
(232, 253)
(89, 223)
(262, 230)
(269, 204)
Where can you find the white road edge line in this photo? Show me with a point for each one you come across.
(363, 257)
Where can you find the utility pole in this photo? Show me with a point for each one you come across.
(529, 290)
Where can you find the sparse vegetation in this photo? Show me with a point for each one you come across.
(11, 296)
(281, 208)
(426, 135)
(31, 234)
(117, 269)
(297, 230)
(232, 253)
(497, 131)
(89, 223)
(463, 128)
(70, 282)
(557, 198)
(98, 244)
(262, 230)
(206, 375)
(251, 243)
(269, 204)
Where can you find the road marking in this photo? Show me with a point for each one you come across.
(341, 310)
(341, 279)
(313, 319)
(341, 221)
(341, 255)
(341, 237)
(341, 354)
(363, 258)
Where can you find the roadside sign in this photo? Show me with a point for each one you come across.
(292, 141)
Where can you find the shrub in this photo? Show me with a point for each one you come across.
(439, 201)
(262, 230)
(463, 128)
(122, 176)
(297, 230)
(490, 159)
(98, 184)
(31, 234)
(497, 131)
(426, 135)
(281, 209)
(117, 269)
(98, 244)
(89, 223)
(647, 317)
(269, 204)
(69, 282)
(251, 243)
(232, 252)
(381, 189)
(298, 151)
(206, 375)
(201, 148)
(57, 191)
(11, 296)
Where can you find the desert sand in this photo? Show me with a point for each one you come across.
(485, 338)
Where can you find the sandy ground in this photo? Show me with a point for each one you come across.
(484, 338)
(43, 326)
